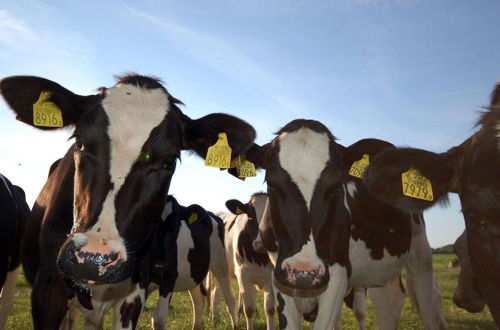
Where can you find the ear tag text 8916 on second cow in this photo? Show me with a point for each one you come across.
(246, 169)
(219, 155)
(358, 167)
(416, 185)
(45, 112)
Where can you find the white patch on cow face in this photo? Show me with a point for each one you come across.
(304, 154)
(259, 204)
(351, 188)
(307, 257)
(133, 112)
(167, 209)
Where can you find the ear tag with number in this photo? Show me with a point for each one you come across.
(416, 185)
(239, 211)
(246, 169)
(46, 113)
(219, 155)
(358, 167)
(193, 218)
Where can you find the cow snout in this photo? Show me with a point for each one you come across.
(258, 246)
(93, 259)
(302, 275)
(470, 305)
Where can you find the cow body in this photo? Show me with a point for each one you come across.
(326, 234)
(191, 242)
(93, 222)
(13, 216)
(471, 170)
(252, 269)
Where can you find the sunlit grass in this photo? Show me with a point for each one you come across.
(180, 315)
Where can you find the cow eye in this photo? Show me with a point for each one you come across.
(169, 163)
(79, 146)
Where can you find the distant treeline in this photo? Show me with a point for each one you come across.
(447, 249)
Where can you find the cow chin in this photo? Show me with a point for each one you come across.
(87, 268)
(293, 292)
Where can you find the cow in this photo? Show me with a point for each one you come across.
(470, 170)
(13, 216)
(188, 243)
(466, 295)
(326, 234)
(252, 269)
(92, 223)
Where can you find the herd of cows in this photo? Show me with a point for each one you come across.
(335, 224)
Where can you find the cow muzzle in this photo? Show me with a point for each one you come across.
(302, 275)
(91, 259)
(471, 305)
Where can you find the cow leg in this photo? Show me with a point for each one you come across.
(289, 317)
(160, 314)
(7, 295)
(48, 284)
(359, 306)
(225, 285)
(248, 295)
(71, 318)
(330, 302)
(197, 299)
(388, 302)
(421, 283)
(269, 306)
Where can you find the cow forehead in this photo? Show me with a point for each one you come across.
(304, 154)
(133, 112)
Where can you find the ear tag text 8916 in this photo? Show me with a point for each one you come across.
(219, 155)
(358, 167)
(246, 169)
(45, 112)
(416, 185)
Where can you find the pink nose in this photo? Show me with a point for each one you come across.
(258, 246)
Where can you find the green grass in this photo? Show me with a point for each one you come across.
(180, 316)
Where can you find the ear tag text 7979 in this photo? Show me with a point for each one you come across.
(219, 155)
(45, 112)
(416, 185)
(358, 167)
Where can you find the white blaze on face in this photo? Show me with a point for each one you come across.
(304, 154)
(306, 258)
(133, 112)
(259, 204)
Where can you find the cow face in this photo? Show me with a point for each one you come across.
(471, 170)
(127, 140)
(304, 174)
(254, 210)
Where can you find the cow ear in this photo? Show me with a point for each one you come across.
(236, 207)
(357, 156)
(22, 93)
(202, 133)
(193, 213)
(410, 179)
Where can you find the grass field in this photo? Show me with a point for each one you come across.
(180, 314)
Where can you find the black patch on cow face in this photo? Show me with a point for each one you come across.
(281, 308)
(130, 312)
(245, 245)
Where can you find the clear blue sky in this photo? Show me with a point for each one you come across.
(412, 72)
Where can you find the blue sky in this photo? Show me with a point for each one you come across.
(412, 72)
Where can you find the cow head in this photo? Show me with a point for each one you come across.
(127, 142)
(304, 175)
(254, 210)
(466, 295)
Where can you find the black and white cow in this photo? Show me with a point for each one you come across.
(93, 222)
(190, 242)
(470, 170)
(14, 212)
(325, 233)
(252, 269)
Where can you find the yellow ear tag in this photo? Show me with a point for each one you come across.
(193, 218)
(246, 169)
(239, 211)
(358, 167)
(219, 155)
(46, 113)
(416, 185)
